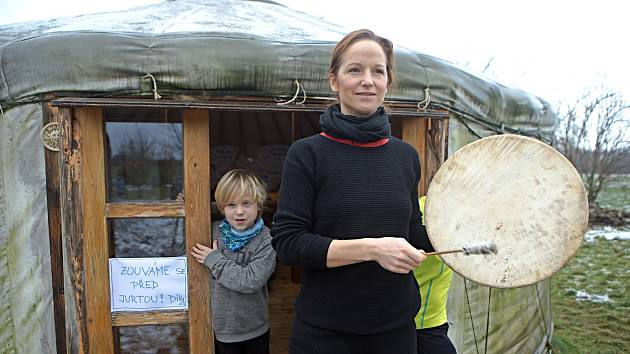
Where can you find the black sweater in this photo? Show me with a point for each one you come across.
(331, 190)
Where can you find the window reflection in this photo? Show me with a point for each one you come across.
(144, 159)
(158, 339)
(147, 237)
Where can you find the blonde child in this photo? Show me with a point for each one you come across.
(241, 261)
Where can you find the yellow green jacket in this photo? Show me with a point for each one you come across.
(434, 280)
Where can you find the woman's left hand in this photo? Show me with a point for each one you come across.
(392, 253)
(397, 255)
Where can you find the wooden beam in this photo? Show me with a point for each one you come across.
(96, 241)
(444, 139)
(414, 133)
(53, 178)
(197, 204)
(235, 104)
(145, 210)
(436, 147)
(72, 235)
(120, 319)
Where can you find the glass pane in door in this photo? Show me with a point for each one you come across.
(147, 237)
(152, 339)
(145, 157)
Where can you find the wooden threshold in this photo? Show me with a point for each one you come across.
(128, 318)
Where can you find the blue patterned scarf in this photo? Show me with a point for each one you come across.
(233, 239)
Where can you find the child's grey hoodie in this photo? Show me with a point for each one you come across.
(238, 288)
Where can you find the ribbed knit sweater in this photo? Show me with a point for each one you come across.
(331, 190)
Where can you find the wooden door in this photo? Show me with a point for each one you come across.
(94, 210)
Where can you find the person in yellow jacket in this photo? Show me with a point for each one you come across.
(434, 280)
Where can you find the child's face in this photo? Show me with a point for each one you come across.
(242, 213)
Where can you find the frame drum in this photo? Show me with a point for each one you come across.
(517, 192)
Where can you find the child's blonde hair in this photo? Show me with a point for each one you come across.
(237, 183)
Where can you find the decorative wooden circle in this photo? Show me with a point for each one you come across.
(514, 191)
(51, 136)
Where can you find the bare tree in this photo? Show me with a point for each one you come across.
(137, 155)
(593, 135)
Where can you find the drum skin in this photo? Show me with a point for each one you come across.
(517, 192)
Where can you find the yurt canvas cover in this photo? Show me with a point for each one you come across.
(192, 48)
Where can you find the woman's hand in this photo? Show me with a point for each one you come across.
(392, 253)
(200, 252)
(397, 255)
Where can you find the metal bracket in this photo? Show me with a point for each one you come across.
(51, 136)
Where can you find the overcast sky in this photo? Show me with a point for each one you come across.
(554, 49)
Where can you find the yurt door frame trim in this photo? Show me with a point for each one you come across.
(78, 210)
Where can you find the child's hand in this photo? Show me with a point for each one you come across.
(200, 252)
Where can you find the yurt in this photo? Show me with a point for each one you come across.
(115, 127)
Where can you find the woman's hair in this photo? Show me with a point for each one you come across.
(240, 183)
(360, 35)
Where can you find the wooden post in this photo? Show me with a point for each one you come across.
(53, 178)
(95, 237)
(72, 235)
(414, 133)
(197, 206)
(436, 147)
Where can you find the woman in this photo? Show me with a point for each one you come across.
(348, 215)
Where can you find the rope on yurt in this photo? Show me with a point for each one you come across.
(424, 104)
(471, 316)
(485, 349)
(297, 83)
(461, 116)
(297, 93)
(539, 132)
(542, 315)
(470, 130)
(427, 99)
(156, 95)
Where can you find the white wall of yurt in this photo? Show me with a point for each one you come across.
(26, 311)
(184, 44)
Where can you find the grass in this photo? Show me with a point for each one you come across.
(600, 267)
(616, 193)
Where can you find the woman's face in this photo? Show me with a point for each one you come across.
(361, 81)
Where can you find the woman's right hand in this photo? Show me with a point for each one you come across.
(396, 254)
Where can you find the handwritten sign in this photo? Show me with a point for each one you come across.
(141, 284)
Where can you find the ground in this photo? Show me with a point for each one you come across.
(591, 304)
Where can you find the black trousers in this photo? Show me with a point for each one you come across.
(435, 340)
(307, 339)
(257, 345)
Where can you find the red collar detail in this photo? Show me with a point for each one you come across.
(379, 142)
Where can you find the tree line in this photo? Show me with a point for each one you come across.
(592, 133)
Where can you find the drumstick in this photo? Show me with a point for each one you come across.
(479, 248)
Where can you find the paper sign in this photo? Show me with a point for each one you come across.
(141, 284)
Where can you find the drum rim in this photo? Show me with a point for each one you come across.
(582, 227)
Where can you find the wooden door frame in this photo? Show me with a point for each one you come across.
(84, 212)
(430, 138)
(88, 320)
